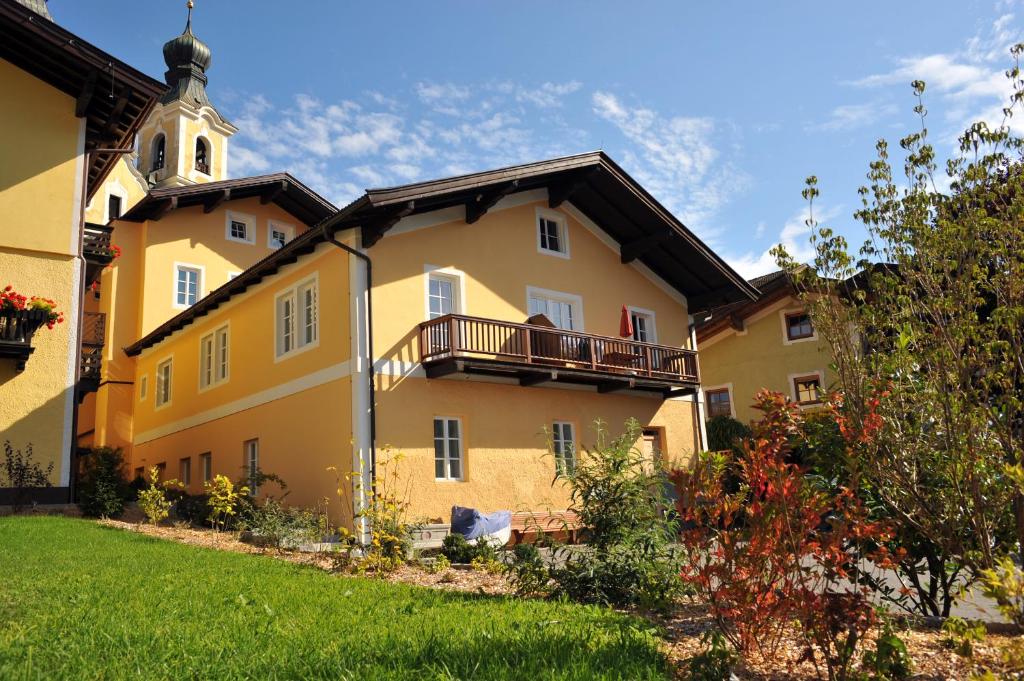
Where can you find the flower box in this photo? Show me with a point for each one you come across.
(17, 327)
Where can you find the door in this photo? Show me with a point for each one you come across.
(560, 312)
(441, 300)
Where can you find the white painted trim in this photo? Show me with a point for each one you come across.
(169, 359)
(632, 309)
(413, 223)
(293, 290)
(232, 275)
(698, 396)
(361, 446)
(721, 386)
(277, 392)
(458, 277)
(574, 443)
(250, 226)
(73, 309)
(286, 227)
(114, 188)
(790, 380)
(752, 319)
(215, 382)
(200, 294)
(614, 245)
(563, 231)
(143, 387)
(785, 327)
(462, 449)
(571, 298)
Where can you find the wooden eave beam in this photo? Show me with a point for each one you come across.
(478, 206)
(85, 97)
(680, 392)
(115, 115)
(563, 191)
(613, 386)
(736, 322)
(538, 378)
(373, 231)
(631, 250)
(210, 204)
(272, 194)
(163, 209)
(709, 299)
(443, 369)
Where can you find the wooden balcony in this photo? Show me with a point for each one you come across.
(17, 327)
(93, 336)
(97, 250)
(534, 355)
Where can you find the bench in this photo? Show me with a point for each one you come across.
(527, 526)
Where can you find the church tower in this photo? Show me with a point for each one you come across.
(185, 139)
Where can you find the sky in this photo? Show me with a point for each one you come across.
(720, 109)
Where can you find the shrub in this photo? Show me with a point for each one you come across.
(224, 500)
(193, 508)
(153, 500)
(457, 549)
(102, 488)
(889, 661)
(527, 571)
(725, 432)
(491, 566)
(715, 663)
(961, 635)
(22, 474)
(1005, 585)
(280, 526)
(439, 565)
(788, 561)
(620, 496)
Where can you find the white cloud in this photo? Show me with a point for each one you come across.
(851, 116)
(548, 95)
(794, 235)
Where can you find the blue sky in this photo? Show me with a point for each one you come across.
(720, 109)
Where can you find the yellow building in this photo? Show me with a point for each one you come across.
(489, 309)
(77, 109)
(769, 343)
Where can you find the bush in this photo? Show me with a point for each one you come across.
(22, 474)
(193, 508)
(1005, 585)
(527, 571)
(103, 490)
(725, 432)
(439, 565)
(224, 500)
(153, 500)
(715, 663)
(619, 495)
(280, 526)
(456, 549)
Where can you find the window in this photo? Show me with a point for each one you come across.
(719, 402)
(563, 444)
(563, 310)
(206, 464)
(279, 234)
(143, 387)
(161, 471)
(807, 389)
(202, 156)
(440, 296)
(240, 227)
(185, 471)
(643, 325)
(552, 238)
(213, 358)
(113, 207)
(297, 318)
(252, 464)
(798, 326)
(164, 374)
(187, 285)
(447, 448)
(158, 152)
(140, 472)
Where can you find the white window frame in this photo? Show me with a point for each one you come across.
(299, 345)
(563, 231)
(560, 459)
(219, 343)
(559, 296)
(200, 271)
(206, 464)
(115, 188)
(457, 278)
(652, 330)
(250, 227)
(717, 388)
(250, 447)
(143, 387)
(447, 459)
(286, 228)
(791, 379)
(785, 326)
(168, 383)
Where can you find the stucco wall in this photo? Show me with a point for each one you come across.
(760, 358)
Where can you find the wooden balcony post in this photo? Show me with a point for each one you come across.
(647, 359)
(593, 353)
(527, 349)
(453, 345)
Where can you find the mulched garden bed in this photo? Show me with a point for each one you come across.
(683, 627)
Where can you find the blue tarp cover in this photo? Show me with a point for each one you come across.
(472, 524)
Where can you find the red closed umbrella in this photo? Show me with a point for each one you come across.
(626, 324)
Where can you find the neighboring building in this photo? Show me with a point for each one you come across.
(490, 316)
(768, 343)
(69, 111)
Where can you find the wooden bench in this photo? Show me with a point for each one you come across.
(528, 526)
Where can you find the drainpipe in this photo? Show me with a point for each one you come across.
(328, 235)
(702, 429)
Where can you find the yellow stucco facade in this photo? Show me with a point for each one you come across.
(761, 356)
(41, 190)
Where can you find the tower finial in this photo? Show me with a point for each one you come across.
(188, 22)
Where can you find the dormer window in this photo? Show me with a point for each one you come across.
(158, 152)
(552, 235)
(202, 156)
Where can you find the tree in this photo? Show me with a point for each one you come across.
(930, 313)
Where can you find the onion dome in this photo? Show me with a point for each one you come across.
(187, 59)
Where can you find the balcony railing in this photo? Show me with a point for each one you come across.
(453, 337)
(17, 327)
(97, 249)
(203, 167)
(93, 335)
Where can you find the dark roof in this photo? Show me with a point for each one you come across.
(32, 42)
(594, 183)
(280, 188)
(772, 286)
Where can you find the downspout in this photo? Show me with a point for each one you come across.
(372, 386)
(702, 429)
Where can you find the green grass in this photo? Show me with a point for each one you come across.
(82, 601)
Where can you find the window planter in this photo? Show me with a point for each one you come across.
(17, 327)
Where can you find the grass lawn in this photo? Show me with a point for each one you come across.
(81, 601)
